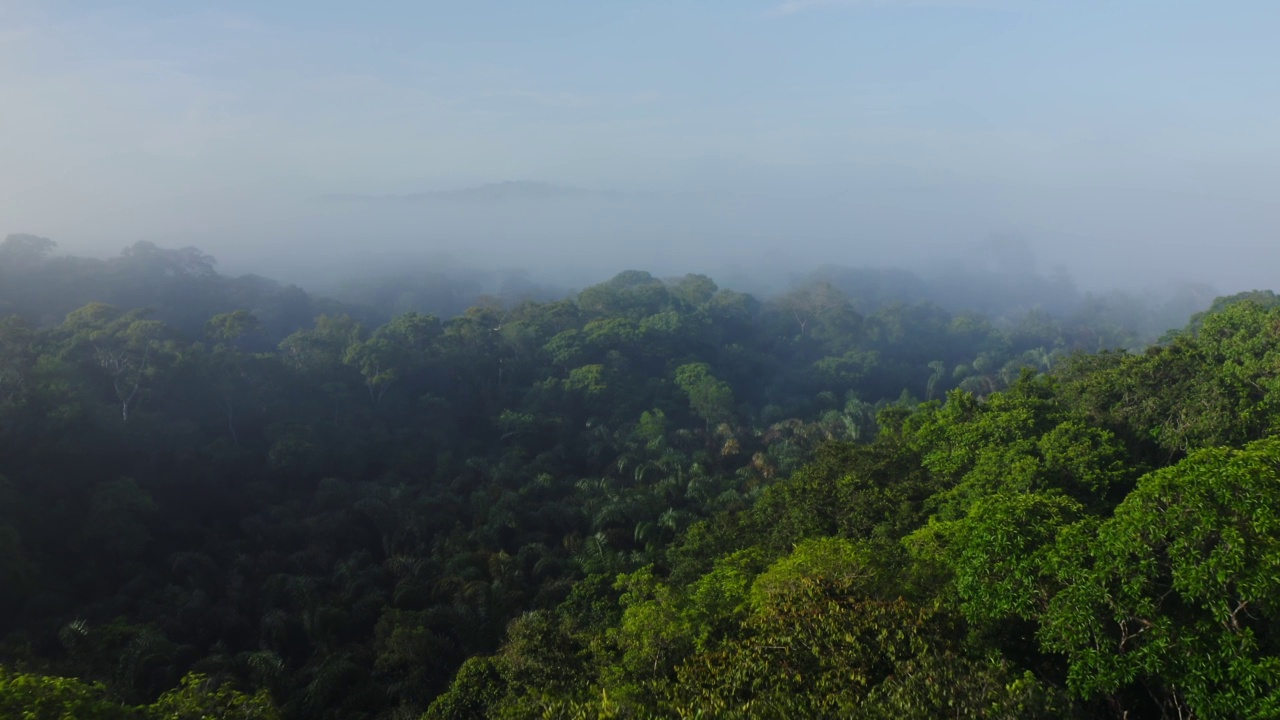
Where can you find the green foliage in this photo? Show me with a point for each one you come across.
(23, 252)
(1176, 592)
(477, 688)
(1022, 440)
(116, 521)
(830, 562)
(1215, 387)
(1259, 298)
(1003, 556)
(587, 379)
(229, 328)
(710, 399)
(652, 634)
(656, 499)
(824, 639)
(39, 697)
(42, 697)
(722, 599)
(200, 698)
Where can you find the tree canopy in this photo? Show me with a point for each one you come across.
(656, 498)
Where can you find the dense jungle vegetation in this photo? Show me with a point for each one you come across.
(223, 497)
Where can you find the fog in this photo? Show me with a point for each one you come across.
(1129, 147)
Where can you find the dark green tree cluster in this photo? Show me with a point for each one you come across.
(657, 497)
(1100, 541)
(181, 287)
(43, 697)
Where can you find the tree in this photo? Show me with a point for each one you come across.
(375, 359)
(710, 399)
(323, 347)
(809, 305)
(128, 347)
(199, 697)
(229, 328)
(696, 290)
(22, 252)
(17, 360)
(230, 368)
(40, 697)
(116, 521)
(1175, 595)
(825, 638)
(163, 262)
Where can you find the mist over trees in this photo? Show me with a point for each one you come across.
(627, 360)
(870, 493)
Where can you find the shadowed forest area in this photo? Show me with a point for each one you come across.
(873, 494)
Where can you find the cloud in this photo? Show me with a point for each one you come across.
(795, 7)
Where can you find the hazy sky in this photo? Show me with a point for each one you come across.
(1125, 133)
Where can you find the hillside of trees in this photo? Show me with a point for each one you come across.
(224, 497)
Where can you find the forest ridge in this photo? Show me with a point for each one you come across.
(651, 498)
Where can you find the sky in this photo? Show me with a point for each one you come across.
(1126, 140)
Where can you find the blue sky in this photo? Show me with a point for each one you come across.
(1003, 105)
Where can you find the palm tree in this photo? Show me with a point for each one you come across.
(939, 369)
